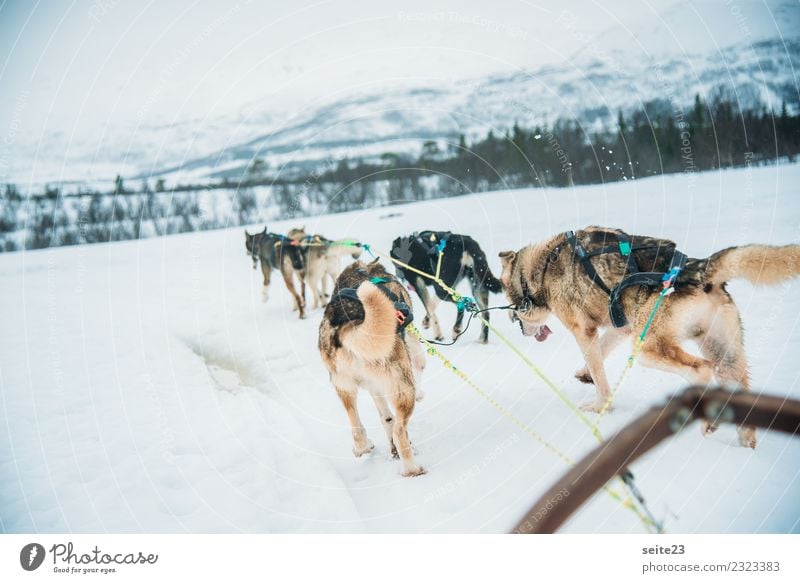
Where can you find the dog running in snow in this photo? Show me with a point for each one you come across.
(552, 277)
(274, 251)
(322, 261)
(363, 344)
(462, 257)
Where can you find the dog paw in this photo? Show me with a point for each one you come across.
(594, 407)
(368, 447)
(456, 333)
(439, 338)
(418, 395)
(747, 437)
(426, 322)
(707, 428)
(394, 453)
(583, 376)
(417, 471)
(264, 294)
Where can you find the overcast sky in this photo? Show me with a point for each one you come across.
(129, 61)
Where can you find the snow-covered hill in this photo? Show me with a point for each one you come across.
(750, 48)
(144, 387)
(591, 91)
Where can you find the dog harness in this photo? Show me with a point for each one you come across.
(433, 245)
(634, 275)
(402, 311)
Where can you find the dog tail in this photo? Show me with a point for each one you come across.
(375, 337)
(482, 275)
(759, 264)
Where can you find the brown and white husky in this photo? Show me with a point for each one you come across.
(363, 344)
(551, 278)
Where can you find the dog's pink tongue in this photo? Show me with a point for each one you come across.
(543, 333)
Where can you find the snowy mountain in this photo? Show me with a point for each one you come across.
(400, 121)
(749, 49)
(591, 90)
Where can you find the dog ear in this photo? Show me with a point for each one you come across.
(507, 259)
(246, 234)
(265, 230)
(507, 256)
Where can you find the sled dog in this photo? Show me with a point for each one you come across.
(603, 279)
(323, 261)
(363, 343)
(273, 251)
(462, 257)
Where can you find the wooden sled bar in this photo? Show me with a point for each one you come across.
(612, 458)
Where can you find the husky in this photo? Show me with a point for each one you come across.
(323, 261)
(274, 251)
(570, 275)
(462, 257)
(363, 343)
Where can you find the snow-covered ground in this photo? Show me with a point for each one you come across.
(145, 387)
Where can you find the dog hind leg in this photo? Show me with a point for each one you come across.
(429, 301)
(667, 355)
(457, 325)
(481, 296)
(301, 275)
(266, 270)
(723, 345)
(361, 443)
(314, 277)
(403, 401)
(286, 272)
(418, 362)
(387, 419)
(430, 307)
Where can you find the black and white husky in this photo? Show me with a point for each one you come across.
(462, 258)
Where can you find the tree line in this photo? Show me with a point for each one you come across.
(659, 138)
